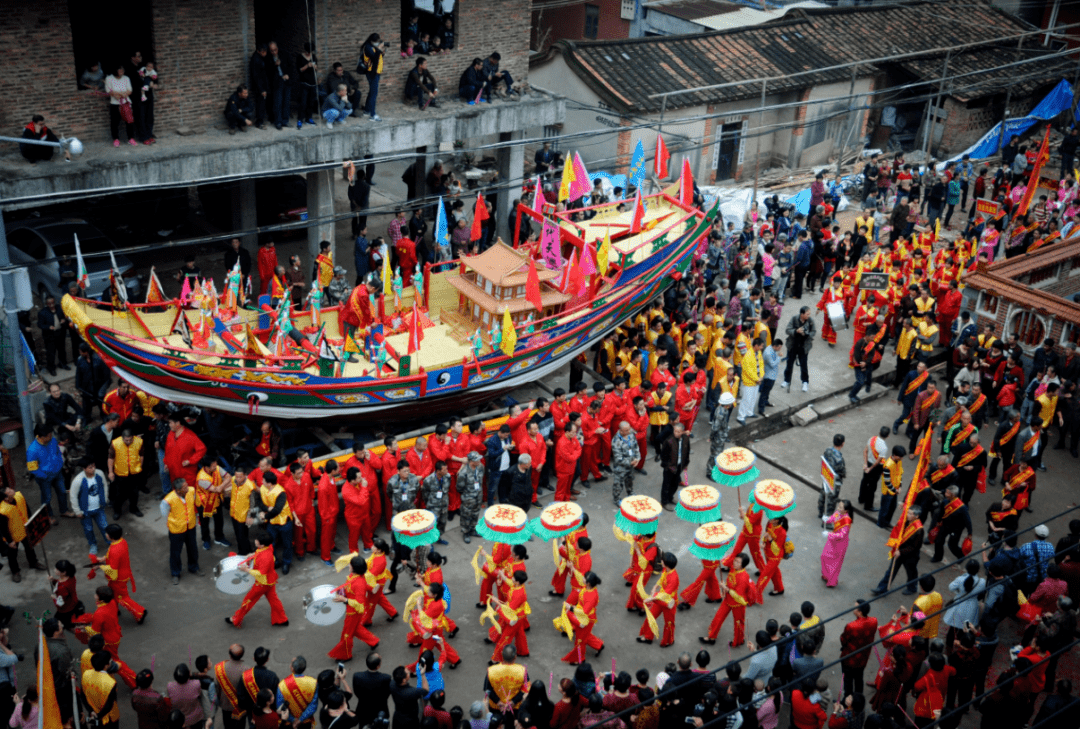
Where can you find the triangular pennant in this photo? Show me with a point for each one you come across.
(509, 334)
(637, 165)
(154, 292)
(565, 187)
(660, 161)
(588, 259)
(580, 185)
(416, 330)
(603, 254)
(83, 276)
(538, 198)
(638, 220)
(480, 214)
(686, 184)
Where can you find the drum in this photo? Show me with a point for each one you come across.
(230, 579)
(835, 312)
(319, 605)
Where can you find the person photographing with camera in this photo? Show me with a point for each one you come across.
(371, 65)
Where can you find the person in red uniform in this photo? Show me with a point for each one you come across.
(300, 490)
(567, 452)
(387, 465)
(641, 568)
(441, 448)
(580, 401)
(419, 458)
(858, 634)
(429, 623)
(370, 467)
(568, 551)
(749, 537)
(560, 413)
(117, 568)
(261, 566)
(705, 579)
(121, 400)
(329, 508)
(738, 592)
(662, 601)
(534, 445)
(267, 261)
(269, 441)
(105, 620)
(493, 566)
(380, 571)
(638, 417)
(406, 259)
(355, 494)
(356, 314)
(686, 402)
(183, 450)
(355, 594)
(433, 573)
(512, 613)
(592, 429)
(611, 411)
(580, 612)
(461, 445)
(775, 538)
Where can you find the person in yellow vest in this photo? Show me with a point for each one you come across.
(277, 516)
(178, 508)
(126, 472)
(659, 405)
(239, 508)
(926, 336)
(324, 268)
(13, 532)
(99, 691)
(904, 350)
(211, 483)
(298, 694)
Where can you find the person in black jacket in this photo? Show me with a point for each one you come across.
(420, 85)
(92, 380)
(281, 76)
(307, 67)
(236, 252)
(53, 325)
(239, 109)
(338, 75)
(260, 83)
(521, 483)
(36, 129)
(472, 81)
(61, 410)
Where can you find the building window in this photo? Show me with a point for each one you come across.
(1070, 333)
(592, 21)
(109, 39)
(1029, 328)
(421, 18)
(987, 305)
(627, 9)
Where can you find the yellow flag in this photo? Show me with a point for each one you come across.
(350, 345)
(344, 561)
(937, 227)
(509, 334)
(387, 278)
(603, 253)
(47, 698)
(567, 178)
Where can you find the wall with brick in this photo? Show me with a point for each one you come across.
(202, 48)
(568, 23)
(965, 126)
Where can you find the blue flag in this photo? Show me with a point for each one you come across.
(442, 232)
(28, 354)
(637, 165)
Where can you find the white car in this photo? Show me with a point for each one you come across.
(41, 243)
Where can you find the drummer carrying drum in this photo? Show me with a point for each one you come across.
(261, 567)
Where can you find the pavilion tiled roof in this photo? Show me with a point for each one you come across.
(626, 73)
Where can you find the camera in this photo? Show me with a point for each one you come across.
(381, 721)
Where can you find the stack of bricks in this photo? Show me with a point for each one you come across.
(202, 49)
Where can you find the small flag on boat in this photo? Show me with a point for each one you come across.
(660, 161)
(154, 292)
(479, 215)
(538, 197)
(83, 276)
(549, 245)
(686, 184)
(603, 254)
(532, 286)
(637, 165)
(416, 330)
(509, 334)
(566, 187)
(580, 187)
(639, 214)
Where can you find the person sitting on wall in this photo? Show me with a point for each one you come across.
(36, 129)
(239, 110)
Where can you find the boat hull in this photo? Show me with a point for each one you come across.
(304, 396)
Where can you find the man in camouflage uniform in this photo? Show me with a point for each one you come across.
(436, 494)
(624, 456)
(470, 484)
(718, 424)
(403, 488)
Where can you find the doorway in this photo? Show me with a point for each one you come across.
(727, 151)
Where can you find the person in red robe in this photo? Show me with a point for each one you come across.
(567, 452)
(775, 539)
(433, 573)
(419, 458)
(329, 508)
(406, 259)
(355, 493)
(580, 611)
(105, 620)
(267, 262)
(640, 570)
(706, 579)
(685, 401)
(749, 537)
(590, 450)
(429, 623)
(568, 552)
(183, 450)
(512, 614)
(379, 569)
(638, 418)
(739, 592)
(662, 601)
(493, 565)
(117, 568)
(300, 492)
(355, 593)
(948, 308)
(833, 293)
(534, 445)
(260, 565)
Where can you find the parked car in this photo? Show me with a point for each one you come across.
(40, 243)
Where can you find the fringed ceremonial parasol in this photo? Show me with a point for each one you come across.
(774, 498)
(713, 541)
(638, 514)
(556, 520)
(415, 528)
(698, 504)
(504, 524)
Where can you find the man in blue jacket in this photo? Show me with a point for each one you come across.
(802, 262)
(498, 463)
(46, 464)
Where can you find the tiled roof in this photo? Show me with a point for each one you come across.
(1042, 257)
(1024, 80)
(692, 9)
(625, 73)
(506, 266)
(999, 279)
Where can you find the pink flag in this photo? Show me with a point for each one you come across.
(580, 185)
(549, 246)
(185, 290)
(686, 184)
(588, 259)
(538, 198)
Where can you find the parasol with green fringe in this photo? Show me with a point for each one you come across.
(638, 514)
(557, 520)
(415, 528)
(714, 540)
(698, 504)
(772, 497)
(504, 524)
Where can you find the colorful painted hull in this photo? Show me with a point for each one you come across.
(302, 395)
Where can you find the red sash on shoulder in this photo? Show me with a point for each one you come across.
(250, 685)
(970, 456)
(228, 689)
(950, 508)
(916, 383)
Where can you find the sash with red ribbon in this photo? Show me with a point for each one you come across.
(962, 435)
(1006, 437)
(916, 383)
(250, 685)
(950, 508)
(229, 690)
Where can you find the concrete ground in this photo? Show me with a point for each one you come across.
(188, 620)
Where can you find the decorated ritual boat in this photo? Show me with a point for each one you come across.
(455, 334)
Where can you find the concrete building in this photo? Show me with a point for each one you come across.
(813, 108)
(202, 50)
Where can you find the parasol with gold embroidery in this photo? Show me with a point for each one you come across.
(638, 514)
(698, 504)
(415, 528)
(505, 524)
(713, 541)
(775, 498)
(735, 467)
(557, 520)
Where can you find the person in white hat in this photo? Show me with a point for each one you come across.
(718, 423)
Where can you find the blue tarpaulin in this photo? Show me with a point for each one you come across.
(1057, 101)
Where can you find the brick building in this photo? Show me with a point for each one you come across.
(202, 50)
(1032, 296)
(808, 113)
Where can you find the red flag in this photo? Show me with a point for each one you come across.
(416, 330)
(479, 215)
(563, 283)
(661, 159)
(575, 281)
(686, 185)
(532, 286)
(1033, 180)
(639, 214)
